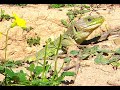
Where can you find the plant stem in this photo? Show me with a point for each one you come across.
(6, 44)
(31, 75)
(57, 53)
(46, 46)
(55, 66)
(61, 67)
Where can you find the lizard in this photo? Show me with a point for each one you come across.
(76, 33)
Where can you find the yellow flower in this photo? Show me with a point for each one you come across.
(18, 21)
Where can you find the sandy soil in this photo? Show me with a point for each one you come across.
(46, 23)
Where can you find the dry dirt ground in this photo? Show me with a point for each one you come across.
(46, 23)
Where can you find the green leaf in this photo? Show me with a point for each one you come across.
(59, 79)
(114, 58)
(88, 51)
(38, 70)
(55, 83)
(71, 17)
(101, 60)
(9, 72)
(67, 59)
(41, 82)
(2, 69)
(64, 23)
(104, 50)
(115, 64)
(21, 4)
(10, 64)
(84, 56)
(47, 68)
(2, 12)
(74, 52)
(68, 73)
(31, 67)
(13, 24)
(94, 49)
(22, 76)
(19, 63)
(35, 82)
(45, 80)
(57, 5)
(91, 50)
(117, 51)
(70, 5)
(86, 6)
(33, 41)
(7, 17)
(70, 13)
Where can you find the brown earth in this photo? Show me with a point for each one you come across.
(46, 23)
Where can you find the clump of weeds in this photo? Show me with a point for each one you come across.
(41, 74)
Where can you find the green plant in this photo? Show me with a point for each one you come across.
(28, 29)
(86, 52)
(60, 5)
(9, 64)
(33, 41)
(4, 16)
(35, 78)
(64, 22)
(73, 13)
(70, 5)
(13, 78)
(74, 52)
(21, 5)
(102, 56)
(56, 5)
(40, 74)
(17, 22)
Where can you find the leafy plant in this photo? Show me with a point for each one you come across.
(86, 6)
(28, 29)
(40, 74)
(85, 53)
(60, 5)
(33, 41)
(70, 5)
(67, 59)
(12, 64)
(4, 16)
(56, 5)
(17, 22)
(74, 52)
(12, 78)
(9, 64)
(21, 4)
(101, 60)
(64, 22)
(73, 13)
(103, 56)
(115, 64)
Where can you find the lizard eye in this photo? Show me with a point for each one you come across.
(43, 45)
(89, 19)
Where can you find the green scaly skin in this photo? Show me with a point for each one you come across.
(77, 32)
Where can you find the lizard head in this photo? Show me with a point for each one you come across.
(89, 23)
(85, 26)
